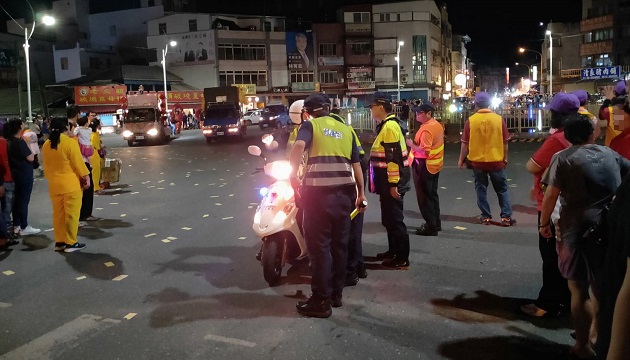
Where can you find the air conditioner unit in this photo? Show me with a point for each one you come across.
(380, 61)
(402, 67)
(403, 79)
(349, 75)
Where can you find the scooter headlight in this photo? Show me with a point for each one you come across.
(263, 192)
(281, 170)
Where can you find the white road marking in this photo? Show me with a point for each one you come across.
(232, 341)
(172, 238)
(123, 215)
(205, 215)
(186, 228)
(4, 305)
(459, 228)
(8, 273)
(214, 196)
(242, 238)
(113, 203)
(459, 198)
(62, 339)
(228, 218)
(109, 264)
(442, 187)
(149, 235)
(130, 316)
(135, 192)
(119, 277)
(166, 241)
(49, 230)
(218, 204)
(81, 278)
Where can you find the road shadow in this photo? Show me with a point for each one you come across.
(110, 224)
(502, 348)
(176, 307)
(530, 210)
(36, 242)
(461, 219)
(93, 233)
(486, 307)
(95, 265)
(5, 252)
(110, 192)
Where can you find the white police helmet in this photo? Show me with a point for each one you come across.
(295, 112)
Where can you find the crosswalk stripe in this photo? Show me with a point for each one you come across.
(62, 339)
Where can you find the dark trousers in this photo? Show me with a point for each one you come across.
(326, 230)
(355, 246)
(426, 185)
(23, 189)
(555, 289)
(87, 203)
(393, 219)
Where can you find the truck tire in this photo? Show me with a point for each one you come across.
(130, 143)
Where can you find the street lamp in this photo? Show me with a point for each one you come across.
(528, 67)
(548, 32)
(400, 43)
(172, 43)
(46, 20)
(523, 50)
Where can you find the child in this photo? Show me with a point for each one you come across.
(84, 132)
(31, 140)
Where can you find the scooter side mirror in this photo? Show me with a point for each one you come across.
(267, 139)
(254, 150)
(274, 145)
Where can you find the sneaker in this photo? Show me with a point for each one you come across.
(59, 246)
(507, 221)
(74, 247)
(29, 230)
(82, 224)
(426, 230)
(16, 230)
(314, 307)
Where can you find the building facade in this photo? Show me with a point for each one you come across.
(359, 50)
(329, 47)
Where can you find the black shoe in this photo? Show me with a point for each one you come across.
(59, 246)
(362, 273)
(426, 230)
(387, 255)
(74, 247)
(439, 228)
(259, 255)
(396, 264)
(352, 280)
(314, 307)
(335, 301)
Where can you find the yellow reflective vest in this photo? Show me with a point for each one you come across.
(486, 137)
(389, 158)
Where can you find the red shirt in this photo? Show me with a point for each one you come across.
(5, 170)
(621, 144)
(542, 157)
(486, 166)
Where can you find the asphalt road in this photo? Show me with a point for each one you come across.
(133, 295)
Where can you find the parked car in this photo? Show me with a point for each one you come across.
(253, 117)
(275, 116)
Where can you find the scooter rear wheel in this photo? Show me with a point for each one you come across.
(272, 250)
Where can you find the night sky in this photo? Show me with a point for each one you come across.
(497, 28)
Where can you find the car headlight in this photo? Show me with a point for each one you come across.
(233, 125)
(127, 133)
(152, 132)
(274, 117)
(452, 108)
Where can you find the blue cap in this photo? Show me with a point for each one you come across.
(564, 103)
(316, 102)
(426, 108)
(381, 98)
(620, 88)
(582, 95)
(483, 99)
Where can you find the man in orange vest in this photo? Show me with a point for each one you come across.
(428, 154)
(485, 145)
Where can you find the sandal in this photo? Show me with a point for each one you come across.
(92, 218)
(485, 220)
(507, 221)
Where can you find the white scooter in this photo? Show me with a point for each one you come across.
(275, 221)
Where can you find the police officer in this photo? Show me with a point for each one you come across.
(356, 267)
(390, 175)
(328, 196)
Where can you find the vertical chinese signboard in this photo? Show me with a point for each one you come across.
(99, 95)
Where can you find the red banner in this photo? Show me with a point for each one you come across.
(184, 96)
(99, 95)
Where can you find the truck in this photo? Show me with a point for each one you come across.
(143, 121)
(222, 113)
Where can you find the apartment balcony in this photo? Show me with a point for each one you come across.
(600, 47)
(358, 28)
(597, 23)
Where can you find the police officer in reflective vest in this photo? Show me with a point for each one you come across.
(328, 195)
(390, 175)
(356, 267)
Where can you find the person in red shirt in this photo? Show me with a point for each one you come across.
(554, 297)
(621, 143)
(6, 192)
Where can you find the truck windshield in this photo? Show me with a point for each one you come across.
(141, 115)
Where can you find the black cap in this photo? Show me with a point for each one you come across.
(426, 108)
(316, 102)
(381, 98)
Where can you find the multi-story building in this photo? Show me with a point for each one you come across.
(359, 50)
(567, 41)
(461, 67)
(223, 50)
(329, 47)
(425, 60)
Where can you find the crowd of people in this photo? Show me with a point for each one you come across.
(71, 154)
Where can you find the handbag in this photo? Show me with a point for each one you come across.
(598, 232)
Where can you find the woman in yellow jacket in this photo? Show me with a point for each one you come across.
(67, 175)
(96, 158)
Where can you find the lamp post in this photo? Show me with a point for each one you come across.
(400, 43)
(528, 67)
(172, 43)
(548, 32)
(46, 20)
(523, 50)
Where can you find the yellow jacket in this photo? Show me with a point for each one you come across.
(389, 158)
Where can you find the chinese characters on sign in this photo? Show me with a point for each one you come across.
(300, 51)
(601, 72)
(99, 95)
(190, 96)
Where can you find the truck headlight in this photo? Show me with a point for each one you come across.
(152, 132)
(127, 133)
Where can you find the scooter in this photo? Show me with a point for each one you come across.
(275, 220)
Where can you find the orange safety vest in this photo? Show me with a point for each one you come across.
(611, 133)
(435, 160)
(486, 137)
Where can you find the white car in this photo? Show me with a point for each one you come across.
(252, 117)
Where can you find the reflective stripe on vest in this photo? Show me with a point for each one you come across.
(329, 154)
(436, 156)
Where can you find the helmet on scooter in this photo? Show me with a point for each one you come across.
(295, 112)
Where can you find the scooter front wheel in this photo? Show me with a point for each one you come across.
(272, 251)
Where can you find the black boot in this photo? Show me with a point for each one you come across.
(315, 307)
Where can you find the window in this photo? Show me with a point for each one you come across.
(361, 48)
(228, 78)
(95, 63)
(64, 63)
(247, 52)
(162, 28)
(327, 49)
(192, 25)
(302, 77)
(599, 35)
(361, 18)
(419, 59)
(112, 31)
(328, 77)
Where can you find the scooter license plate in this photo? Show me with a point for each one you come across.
(139, 137)
(220, 133)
